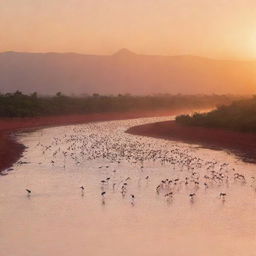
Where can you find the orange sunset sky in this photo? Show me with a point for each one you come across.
(219, 29)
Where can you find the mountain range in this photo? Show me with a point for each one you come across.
(124, 72)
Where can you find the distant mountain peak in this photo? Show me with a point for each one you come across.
(124, 52)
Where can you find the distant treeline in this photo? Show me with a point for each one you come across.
(239, 116)
(20, 105)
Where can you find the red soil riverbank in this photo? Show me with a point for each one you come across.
(241, 144)
(11, 150)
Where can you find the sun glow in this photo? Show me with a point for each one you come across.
(219, 29)
(252, 45)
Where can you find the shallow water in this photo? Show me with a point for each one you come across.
(58, 219)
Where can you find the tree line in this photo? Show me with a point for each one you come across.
(18, 104)
(239, 116)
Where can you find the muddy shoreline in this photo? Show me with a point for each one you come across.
(241, 144)
(11, 150)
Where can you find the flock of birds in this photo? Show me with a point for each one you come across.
(184, 171)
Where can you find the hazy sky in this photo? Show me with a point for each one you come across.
(215, 28)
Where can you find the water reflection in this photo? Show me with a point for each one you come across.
(142, 196)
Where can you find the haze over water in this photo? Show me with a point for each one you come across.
(58, 219)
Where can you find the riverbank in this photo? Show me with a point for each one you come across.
(11, 150)
(241, 144)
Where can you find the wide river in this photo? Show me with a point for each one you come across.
(161, 197)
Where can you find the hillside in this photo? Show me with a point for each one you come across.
(123, 72)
